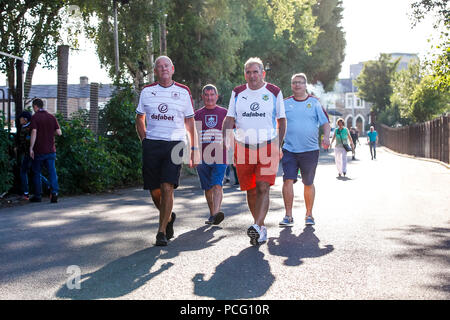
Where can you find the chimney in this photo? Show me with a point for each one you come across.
(84, 81)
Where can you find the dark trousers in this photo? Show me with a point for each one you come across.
(25, 166)
(373, 145)
(47, 160)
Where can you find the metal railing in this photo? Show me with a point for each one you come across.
(426, 140)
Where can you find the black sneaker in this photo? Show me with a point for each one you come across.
(161, 239)
(169, 228)
(218, 218)
(53, 198)
(210, 220)
(35, 199)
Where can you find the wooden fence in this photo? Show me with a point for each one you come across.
(426, 140)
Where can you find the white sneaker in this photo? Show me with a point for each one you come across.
(254, 232)
(262, 234)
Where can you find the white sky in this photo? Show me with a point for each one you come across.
(371, 26)
(381, 26)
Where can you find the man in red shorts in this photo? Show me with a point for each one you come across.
(257, 112)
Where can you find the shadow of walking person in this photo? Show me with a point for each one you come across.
(295, 249)
(129, 273)
(244, 276)
(117, 278)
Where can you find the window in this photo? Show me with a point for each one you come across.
(349, 100)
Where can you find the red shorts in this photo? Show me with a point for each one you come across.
(256, 164)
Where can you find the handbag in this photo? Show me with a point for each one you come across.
(346, 146)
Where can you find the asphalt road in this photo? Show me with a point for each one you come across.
(381, 233)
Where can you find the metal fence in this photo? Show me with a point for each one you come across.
(426, 140)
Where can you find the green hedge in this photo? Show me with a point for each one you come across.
(117, 125)
(84, 164)
(6, 160)
(87, 163)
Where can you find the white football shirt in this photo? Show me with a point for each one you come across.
(165, 110)
(256, 112)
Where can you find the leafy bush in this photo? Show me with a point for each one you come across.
(117, 126)
(84, 163)
(6, 161)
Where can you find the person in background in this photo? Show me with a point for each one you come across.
(211, 170)
(355, 138)
(44, 127)
(23, 152)
(342, 136)
(372, 139)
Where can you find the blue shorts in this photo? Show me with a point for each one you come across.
(305, 161)
(211, 174)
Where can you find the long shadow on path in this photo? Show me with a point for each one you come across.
(295, 249)
(124, 275)
(244, 276)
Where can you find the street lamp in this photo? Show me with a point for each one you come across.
(353, 101)
(116, 35)
(267, 69)
(116, 39)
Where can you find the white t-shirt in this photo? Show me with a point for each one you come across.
(165, 110)
(256, 112)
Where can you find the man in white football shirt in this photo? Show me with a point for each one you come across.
(257, 111)
(164, 113)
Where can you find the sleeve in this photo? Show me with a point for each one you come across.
(321, 117)
(33, 123)
(140, 108)
(281, 112)
(189, 110)
(56, 123)
(232, 106)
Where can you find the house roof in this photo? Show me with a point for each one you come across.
(46, 91)
(344, 85)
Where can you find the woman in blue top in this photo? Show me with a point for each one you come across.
(342, 135)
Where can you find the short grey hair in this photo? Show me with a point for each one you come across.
(254, 60)
(302, 75)
(162, 57)
(209, 87)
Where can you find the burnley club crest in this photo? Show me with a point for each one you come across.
(211, 120)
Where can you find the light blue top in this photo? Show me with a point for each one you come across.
(372, 136)
(303, 121)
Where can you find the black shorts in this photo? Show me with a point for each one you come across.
(305, 161)
(159, 165)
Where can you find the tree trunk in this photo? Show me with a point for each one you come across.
(63, 66)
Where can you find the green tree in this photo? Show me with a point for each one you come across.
(439, 63)
(427, 102)
(203, 40)
(138, 21)
(374, 82)
(404, 83)
(324, 63)
(33, 29)
(282, 34)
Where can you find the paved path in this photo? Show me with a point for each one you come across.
(381, 233)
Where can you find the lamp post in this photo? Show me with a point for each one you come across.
(267, 69)
(353, 102)
(116, 39)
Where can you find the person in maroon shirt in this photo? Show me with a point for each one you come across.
(212, 168)
(44, 127)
